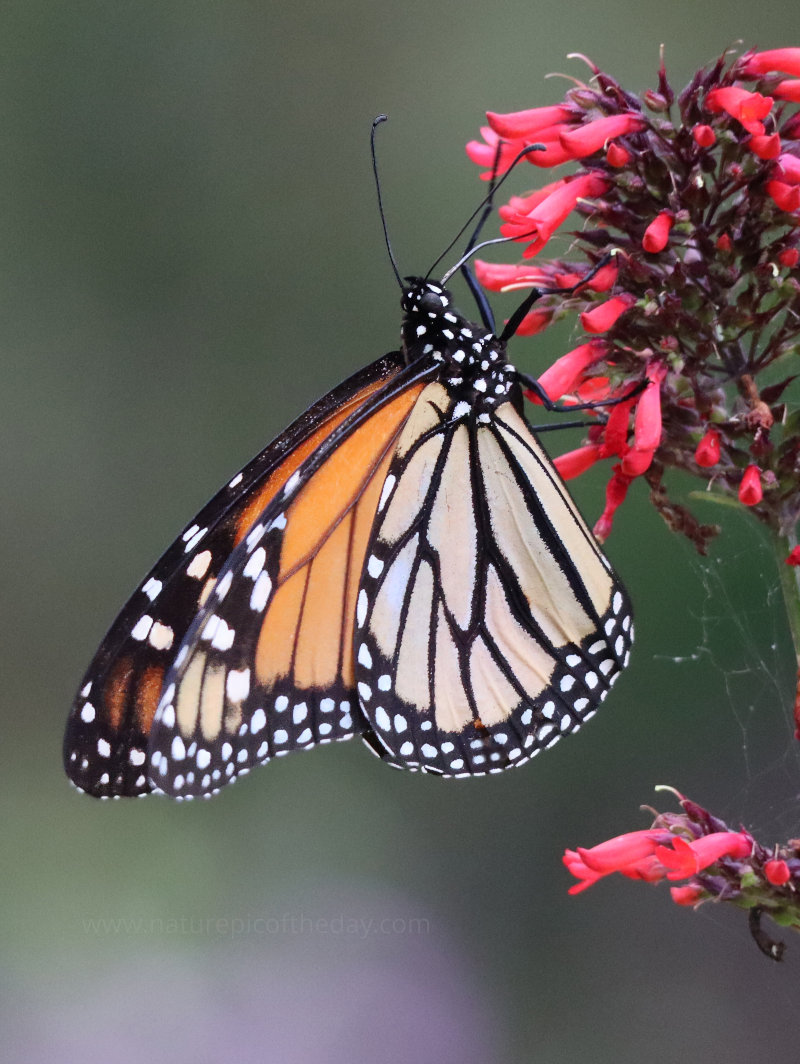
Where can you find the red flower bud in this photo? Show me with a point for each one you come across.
(793, 557)
(573, 463)
(765, 147)
(687, 895)
(600, 318)
(777, 872)
(789, 257)
(617, 156)
(656, 234)
(566, 371)
(707, 451)
(592, 136)
(786, 60)
(750, 490)
(724, 243)
(704, 136)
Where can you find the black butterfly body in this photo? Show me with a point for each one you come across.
(402, 563)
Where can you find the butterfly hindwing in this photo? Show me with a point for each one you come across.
(491, 624)
(108, 730)
(268, 665)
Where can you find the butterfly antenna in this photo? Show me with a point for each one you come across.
(485, 202)
(375, 124)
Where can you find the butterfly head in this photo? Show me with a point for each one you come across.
(433, 328)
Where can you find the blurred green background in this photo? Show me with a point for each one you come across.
(190, 254)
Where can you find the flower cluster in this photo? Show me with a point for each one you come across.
(716, 863)
(697, 197)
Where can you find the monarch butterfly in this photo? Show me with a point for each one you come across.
(403, 562)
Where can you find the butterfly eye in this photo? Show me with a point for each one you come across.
(430, 303)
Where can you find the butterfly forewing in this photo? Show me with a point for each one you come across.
(492, 623)
(108, 730)
(268, 666)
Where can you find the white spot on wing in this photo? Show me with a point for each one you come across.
(260, 593)
(198, 566)
(152, 588)
(142, 627)
(161, 636)
(237, 684)
(388, 485)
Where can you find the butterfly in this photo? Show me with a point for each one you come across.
(402, 563)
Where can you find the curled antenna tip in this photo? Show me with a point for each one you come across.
(375, 123)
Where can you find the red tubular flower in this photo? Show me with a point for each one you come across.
(615, 437)
(535, 321)
(485, 154)
(526, 125)
(746, 107)
(789, 257)
(750, 490)
(573, 463)
(656, 234)
(765, 147)
(647, 423)
(621, 851)
(600, 318)
(503, 276)
(589, 391)
(777, 873)
(785, 60)
(581, 871)
(616, 490)
(707, 451)
(566, 371)
(617, 156)
(605, 278)
(687, 895)
(631, 854)
(788, 90)
(793, 557)
(786, 197)
(787, 169)
(592, 136)
(686, 859)
(704, 136)
(548, 213)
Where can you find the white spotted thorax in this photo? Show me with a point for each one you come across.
(475, 360)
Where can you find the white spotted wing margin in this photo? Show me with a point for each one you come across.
(106, 739)
(489, 623)
(267, 666)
